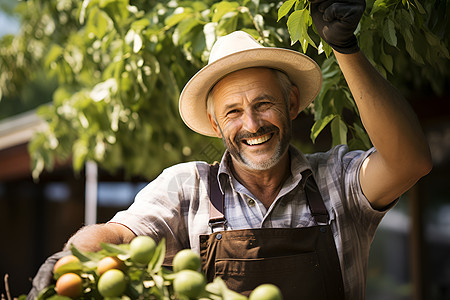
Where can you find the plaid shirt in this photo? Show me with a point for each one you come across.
(176, 206)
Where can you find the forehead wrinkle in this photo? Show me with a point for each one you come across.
(256, 99)
(234, 97)
(264, 97)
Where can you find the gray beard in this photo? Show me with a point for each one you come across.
(247, 161)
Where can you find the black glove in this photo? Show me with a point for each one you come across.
(336, 22)
(44, 276)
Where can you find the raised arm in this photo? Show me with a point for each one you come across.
(402, 155)
(89, 237)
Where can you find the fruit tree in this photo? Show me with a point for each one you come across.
(120, 66)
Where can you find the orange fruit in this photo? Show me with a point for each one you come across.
(70, 261)
(69, 285)
(110, 262)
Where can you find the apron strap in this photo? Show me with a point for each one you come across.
(217, 199)
(315, 200)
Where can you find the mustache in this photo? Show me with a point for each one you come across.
(261, 131)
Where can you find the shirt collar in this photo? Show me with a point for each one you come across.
(299, 164)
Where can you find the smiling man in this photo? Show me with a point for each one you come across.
(254, 117)
(249, 110)
(267, 212)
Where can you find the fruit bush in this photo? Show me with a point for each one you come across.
(136, 271)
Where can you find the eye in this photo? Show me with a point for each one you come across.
(232, 112)
(263, 105)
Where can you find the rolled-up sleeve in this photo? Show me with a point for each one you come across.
(160, 209)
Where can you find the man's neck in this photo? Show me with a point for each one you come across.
(264, 184)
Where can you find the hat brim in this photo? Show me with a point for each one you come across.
(301, 70)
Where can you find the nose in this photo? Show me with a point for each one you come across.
(251, 121)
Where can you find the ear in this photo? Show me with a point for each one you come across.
(215, 126)
(294, 102)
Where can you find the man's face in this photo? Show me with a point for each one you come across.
(253, 119)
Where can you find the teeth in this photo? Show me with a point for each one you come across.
(259, 140)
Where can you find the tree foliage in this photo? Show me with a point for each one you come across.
(121, 64)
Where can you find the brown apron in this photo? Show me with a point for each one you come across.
(302, 262)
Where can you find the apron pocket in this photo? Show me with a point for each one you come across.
(298, 276)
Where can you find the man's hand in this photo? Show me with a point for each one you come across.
(336, 22)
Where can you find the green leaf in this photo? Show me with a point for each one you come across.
(228, 23)
(406, 19)
(198, 42)
(113, 249)
(378, 5)
(140, 24)
(174, 19)
(86, 256)
(184, 30)
(53, 55)
(232, 295)
(216, 287)
(410, 48)
(285, 8)
(219, 290)
(59, 297)
(361, 134)
(349, 102)
(389, 32)
(387, 61)
(322, 105)
(116, 8)
(80, 152)
(158, 258)
(72, 267)
(339, 131)
(381, 70)
(324, 47)
(200, 6)
(432, 39)
(298, 23)
(366, 43)
(98, 23)
(159, 281)
(420, 7)
(319, 125)
(136, 288)
(46, 292)
(222, 8)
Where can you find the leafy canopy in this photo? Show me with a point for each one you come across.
(120, 66)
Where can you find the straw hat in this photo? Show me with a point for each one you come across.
(237, 51)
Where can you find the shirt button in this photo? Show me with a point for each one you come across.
(251, 202)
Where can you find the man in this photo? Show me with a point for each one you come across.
(268, 213)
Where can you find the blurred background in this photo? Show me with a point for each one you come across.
(76, 147)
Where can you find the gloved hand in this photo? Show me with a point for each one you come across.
(44, 276)
(336, 22)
